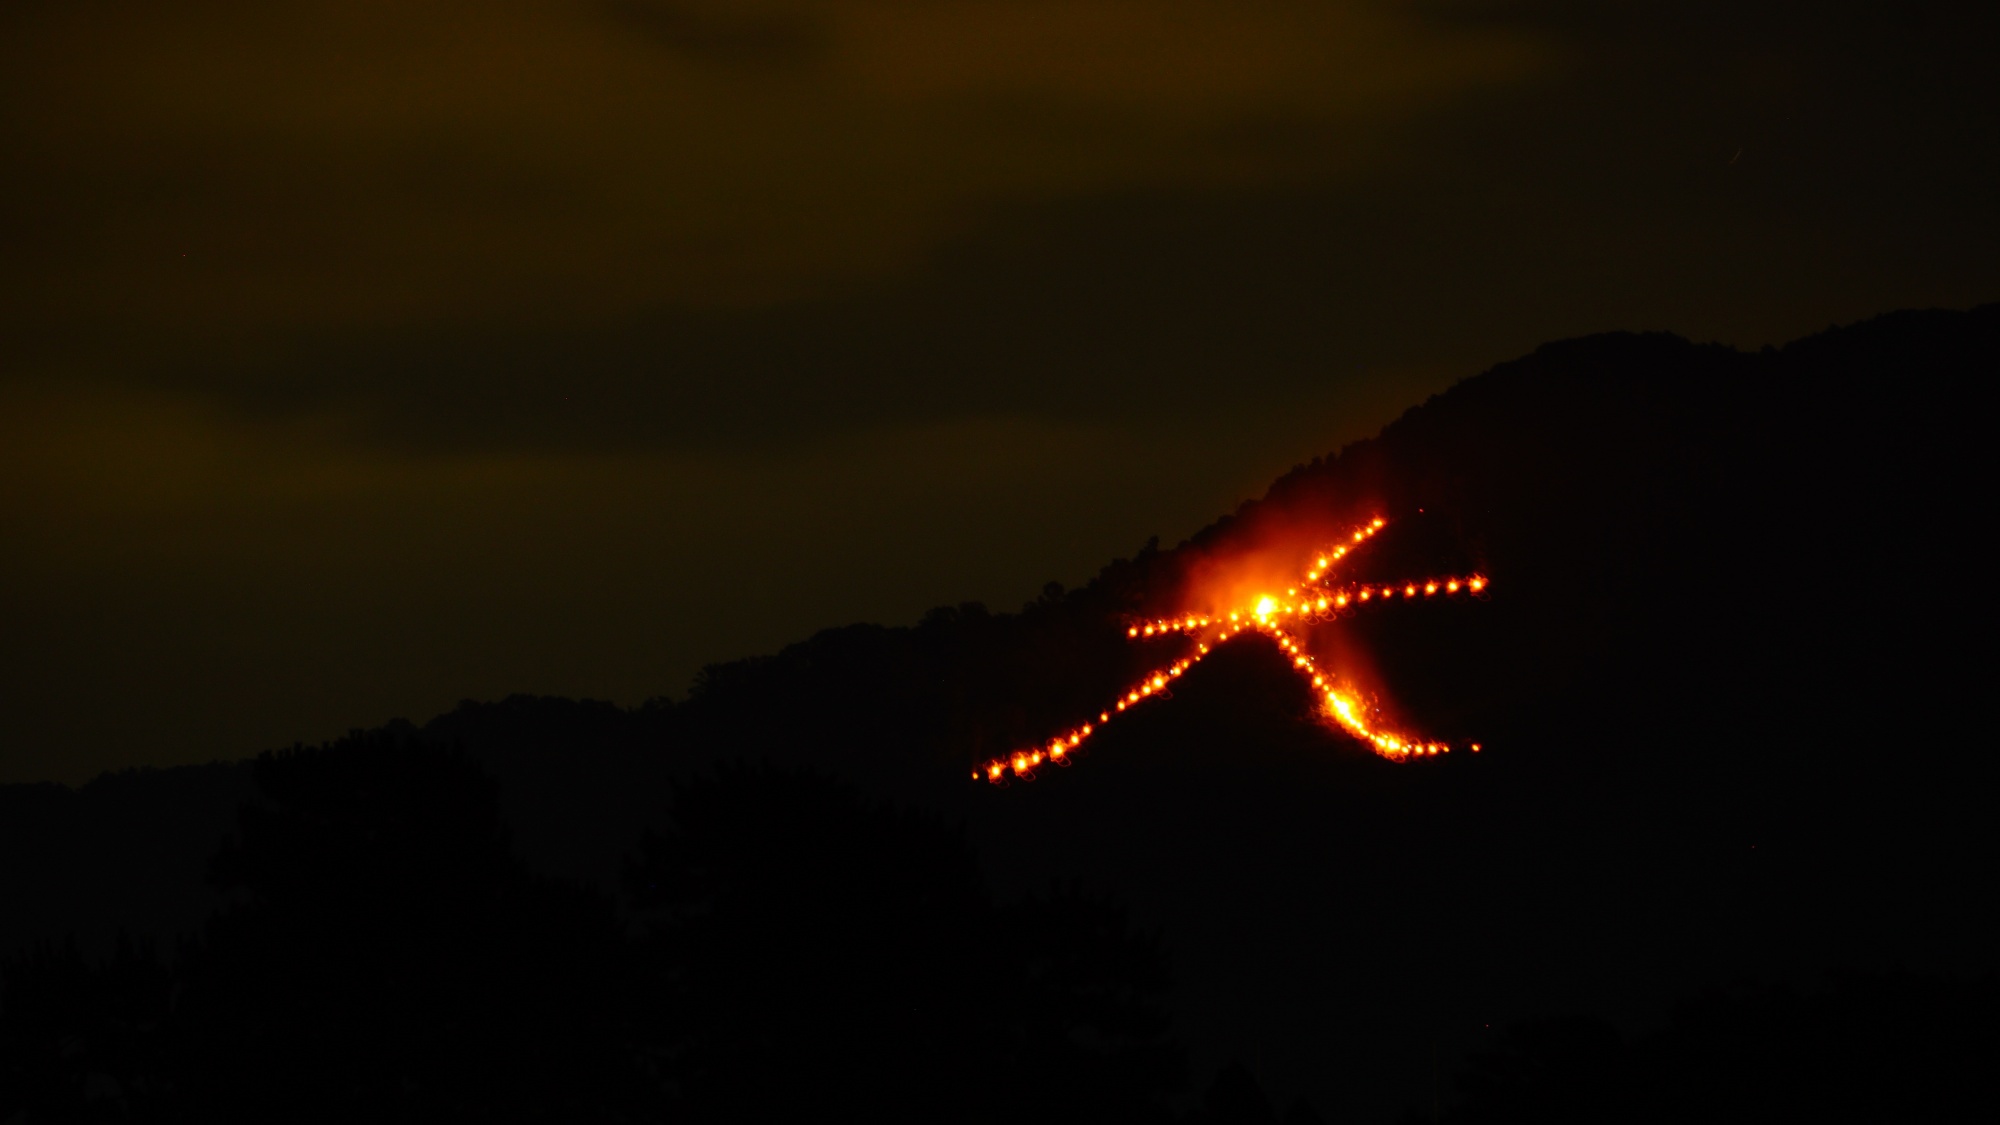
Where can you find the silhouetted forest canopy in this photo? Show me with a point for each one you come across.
(1729, 853)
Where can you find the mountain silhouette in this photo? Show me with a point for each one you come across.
(1729, 686)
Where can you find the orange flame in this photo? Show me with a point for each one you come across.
(1343, 707)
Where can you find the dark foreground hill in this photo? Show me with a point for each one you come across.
(1730, 681)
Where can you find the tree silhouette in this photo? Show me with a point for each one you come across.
(1870, 1047)
(391, 958)
(80, 1040)
(795, 952)
(820, 953)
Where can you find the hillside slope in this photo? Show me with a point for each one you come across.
(1728, 681)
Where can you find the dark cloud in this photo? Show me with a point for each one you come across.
(230, 170)
(1739, 171)
(729, 34)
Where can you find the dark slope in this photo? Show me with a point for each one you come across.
(126, 850)
(1728, 680)
(1728, 677)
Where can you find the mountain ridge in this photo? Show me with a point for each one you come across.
(1732, 591)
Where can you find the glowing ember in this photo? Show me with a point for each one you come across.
(1344, 707)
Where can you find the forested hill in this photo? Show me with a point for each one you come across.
(1660, 518)
(1729, 681)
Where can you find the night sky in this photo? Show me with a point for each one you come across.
(360, 357)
